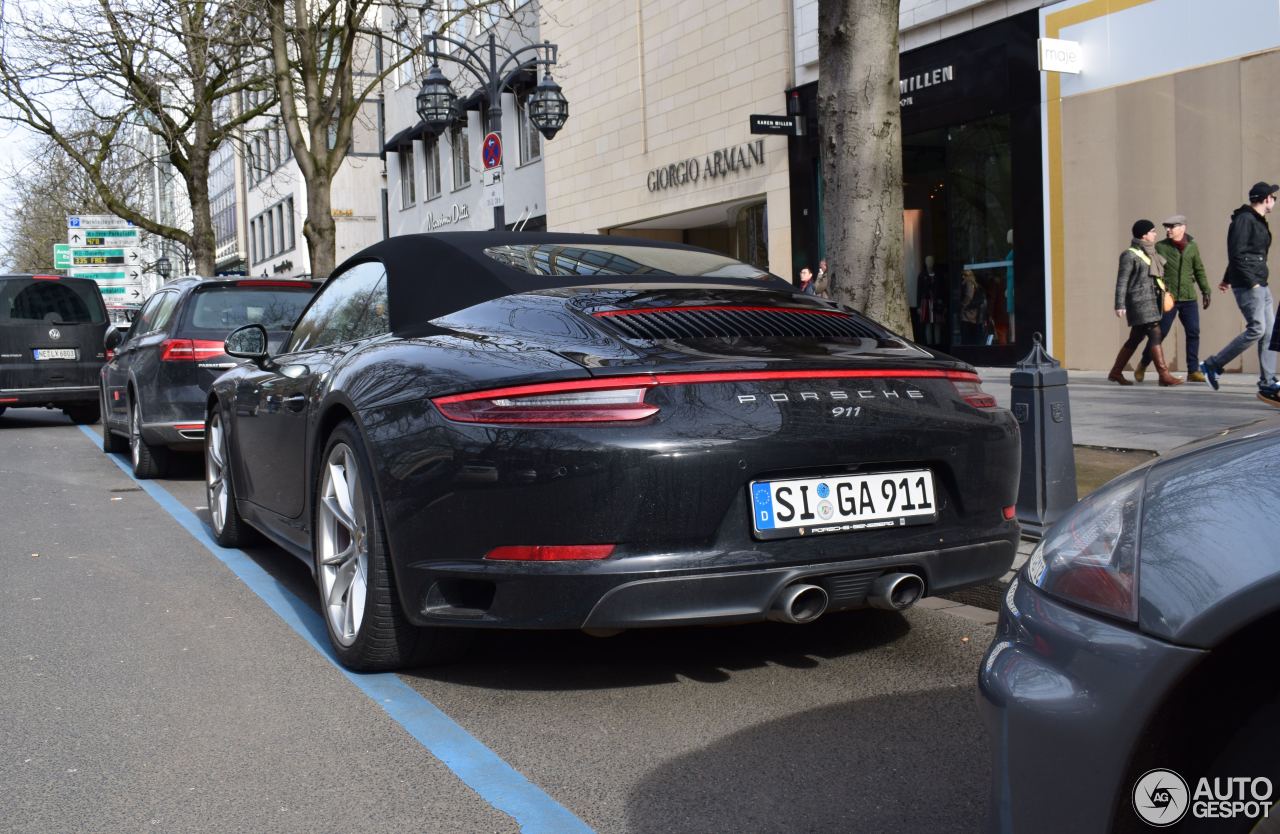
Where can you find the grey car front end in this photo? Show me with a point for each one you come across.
(1139, 639)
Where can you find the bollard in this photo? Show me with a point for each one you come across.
(1047, 483)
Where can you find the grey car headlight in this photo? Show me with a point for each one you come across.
(1090, 557)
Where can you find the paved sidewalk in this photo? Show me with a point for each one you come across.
(1146, 416)
(1142, 417)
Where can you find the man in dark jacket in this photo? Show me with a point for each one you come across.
(1183, 275)
(1248, 241)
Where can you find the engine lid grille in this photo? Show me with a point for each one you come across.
(735, 322)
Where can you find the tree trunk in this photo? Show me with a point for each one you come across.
(860, 132)
(319, 228)
(203, 240)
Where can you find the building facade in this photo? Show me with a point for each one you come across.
(439, 183)
(1172, 113)
(663, 146)
(659, 145)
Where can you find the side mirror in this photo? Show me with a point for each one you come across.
(248, 342)
(114, 336)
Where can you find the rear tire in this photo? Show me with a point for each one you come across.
(83, 415)
(148, 461)
(367, 629)
(229, 529)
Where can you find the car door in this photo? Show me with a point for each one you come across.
(142, 351)
(272, 406)
(117, 370)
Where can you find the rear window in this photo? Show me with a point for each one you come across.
(26, 300)
(226, 308)
(607, 259)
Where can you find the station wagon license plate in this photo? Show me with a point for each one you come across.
(842, 503)
(55, 353)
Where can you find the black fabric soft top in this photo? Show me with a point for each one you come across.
(432, 275)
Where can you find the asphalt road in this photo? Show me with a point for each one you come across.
(145, 685)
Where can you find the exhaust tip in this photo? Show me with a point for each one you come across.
(896, 591)
(799, 604)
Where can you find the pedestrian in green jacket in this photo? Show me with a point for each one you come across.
(1183, 275)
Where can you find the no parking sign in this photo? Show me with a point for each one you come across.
(491, 151)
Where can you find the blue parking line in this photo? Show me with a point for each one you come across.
(482, 770)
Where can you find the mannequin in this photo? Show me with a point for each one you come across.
(928, 310)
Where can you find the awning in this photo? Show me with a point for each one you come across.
(405, 137)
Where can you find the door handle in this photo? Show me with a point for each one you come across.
(295, 403)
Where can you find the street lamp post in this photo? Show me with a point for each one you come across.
(437, 105)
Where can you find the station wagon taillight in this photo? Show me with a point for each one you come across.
(189, 350)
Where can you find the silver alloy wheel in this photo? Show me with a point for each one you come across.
(215, 473)
(342, 544)
(135, 435)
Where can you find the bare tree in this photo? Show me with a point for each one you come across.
(330, 57)
(861, 139)
(46, 187)
(147, 72)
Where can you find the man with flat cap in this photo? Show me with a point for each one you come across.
(1183, 275)
(1248, 241)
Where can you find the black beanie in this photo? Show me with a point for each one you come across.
(1142, 227)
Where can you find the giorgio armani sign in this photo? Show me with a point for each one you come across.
(721, 163)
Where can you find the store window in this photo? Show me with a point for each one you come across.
(407, 191)
(530, 144)
(461, 156)
(431, 148)
(958, 241)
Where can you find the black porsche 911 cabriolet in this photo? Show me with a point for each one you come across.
(565, 431)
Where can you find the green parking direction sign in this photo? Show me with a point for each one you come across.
(104, 256)
(61, 256)
(103, 237)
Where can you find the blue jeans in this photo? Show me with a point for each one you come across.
(1189, 312)
(1256, 305)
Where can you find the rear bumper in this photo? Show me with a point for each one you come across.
(182, 436)
(60, 395)
(633, 592)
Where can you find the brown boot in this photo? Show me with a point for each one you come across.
(1167, 379)
(1117, 370)
(1140, 372)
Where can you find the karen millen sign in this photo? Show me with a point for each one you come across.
(717, 164)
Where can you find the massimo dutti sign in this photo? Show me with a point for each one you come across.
(721, 163)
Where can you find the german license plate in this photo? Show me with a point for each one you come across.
(55, 353)
(842, 503)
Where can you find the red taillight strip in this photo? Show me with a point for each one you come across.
(8, 399)
(753, 376)
(47, 277)
(296, 285)
(189, 426)
(651, 380)
(550, 552)
(721, 308)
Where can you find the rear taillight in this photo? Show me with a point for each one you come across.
(47, 277)
(189, 350)
(571, 402)
(550, 552)
(622, 398)
(970, 390)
